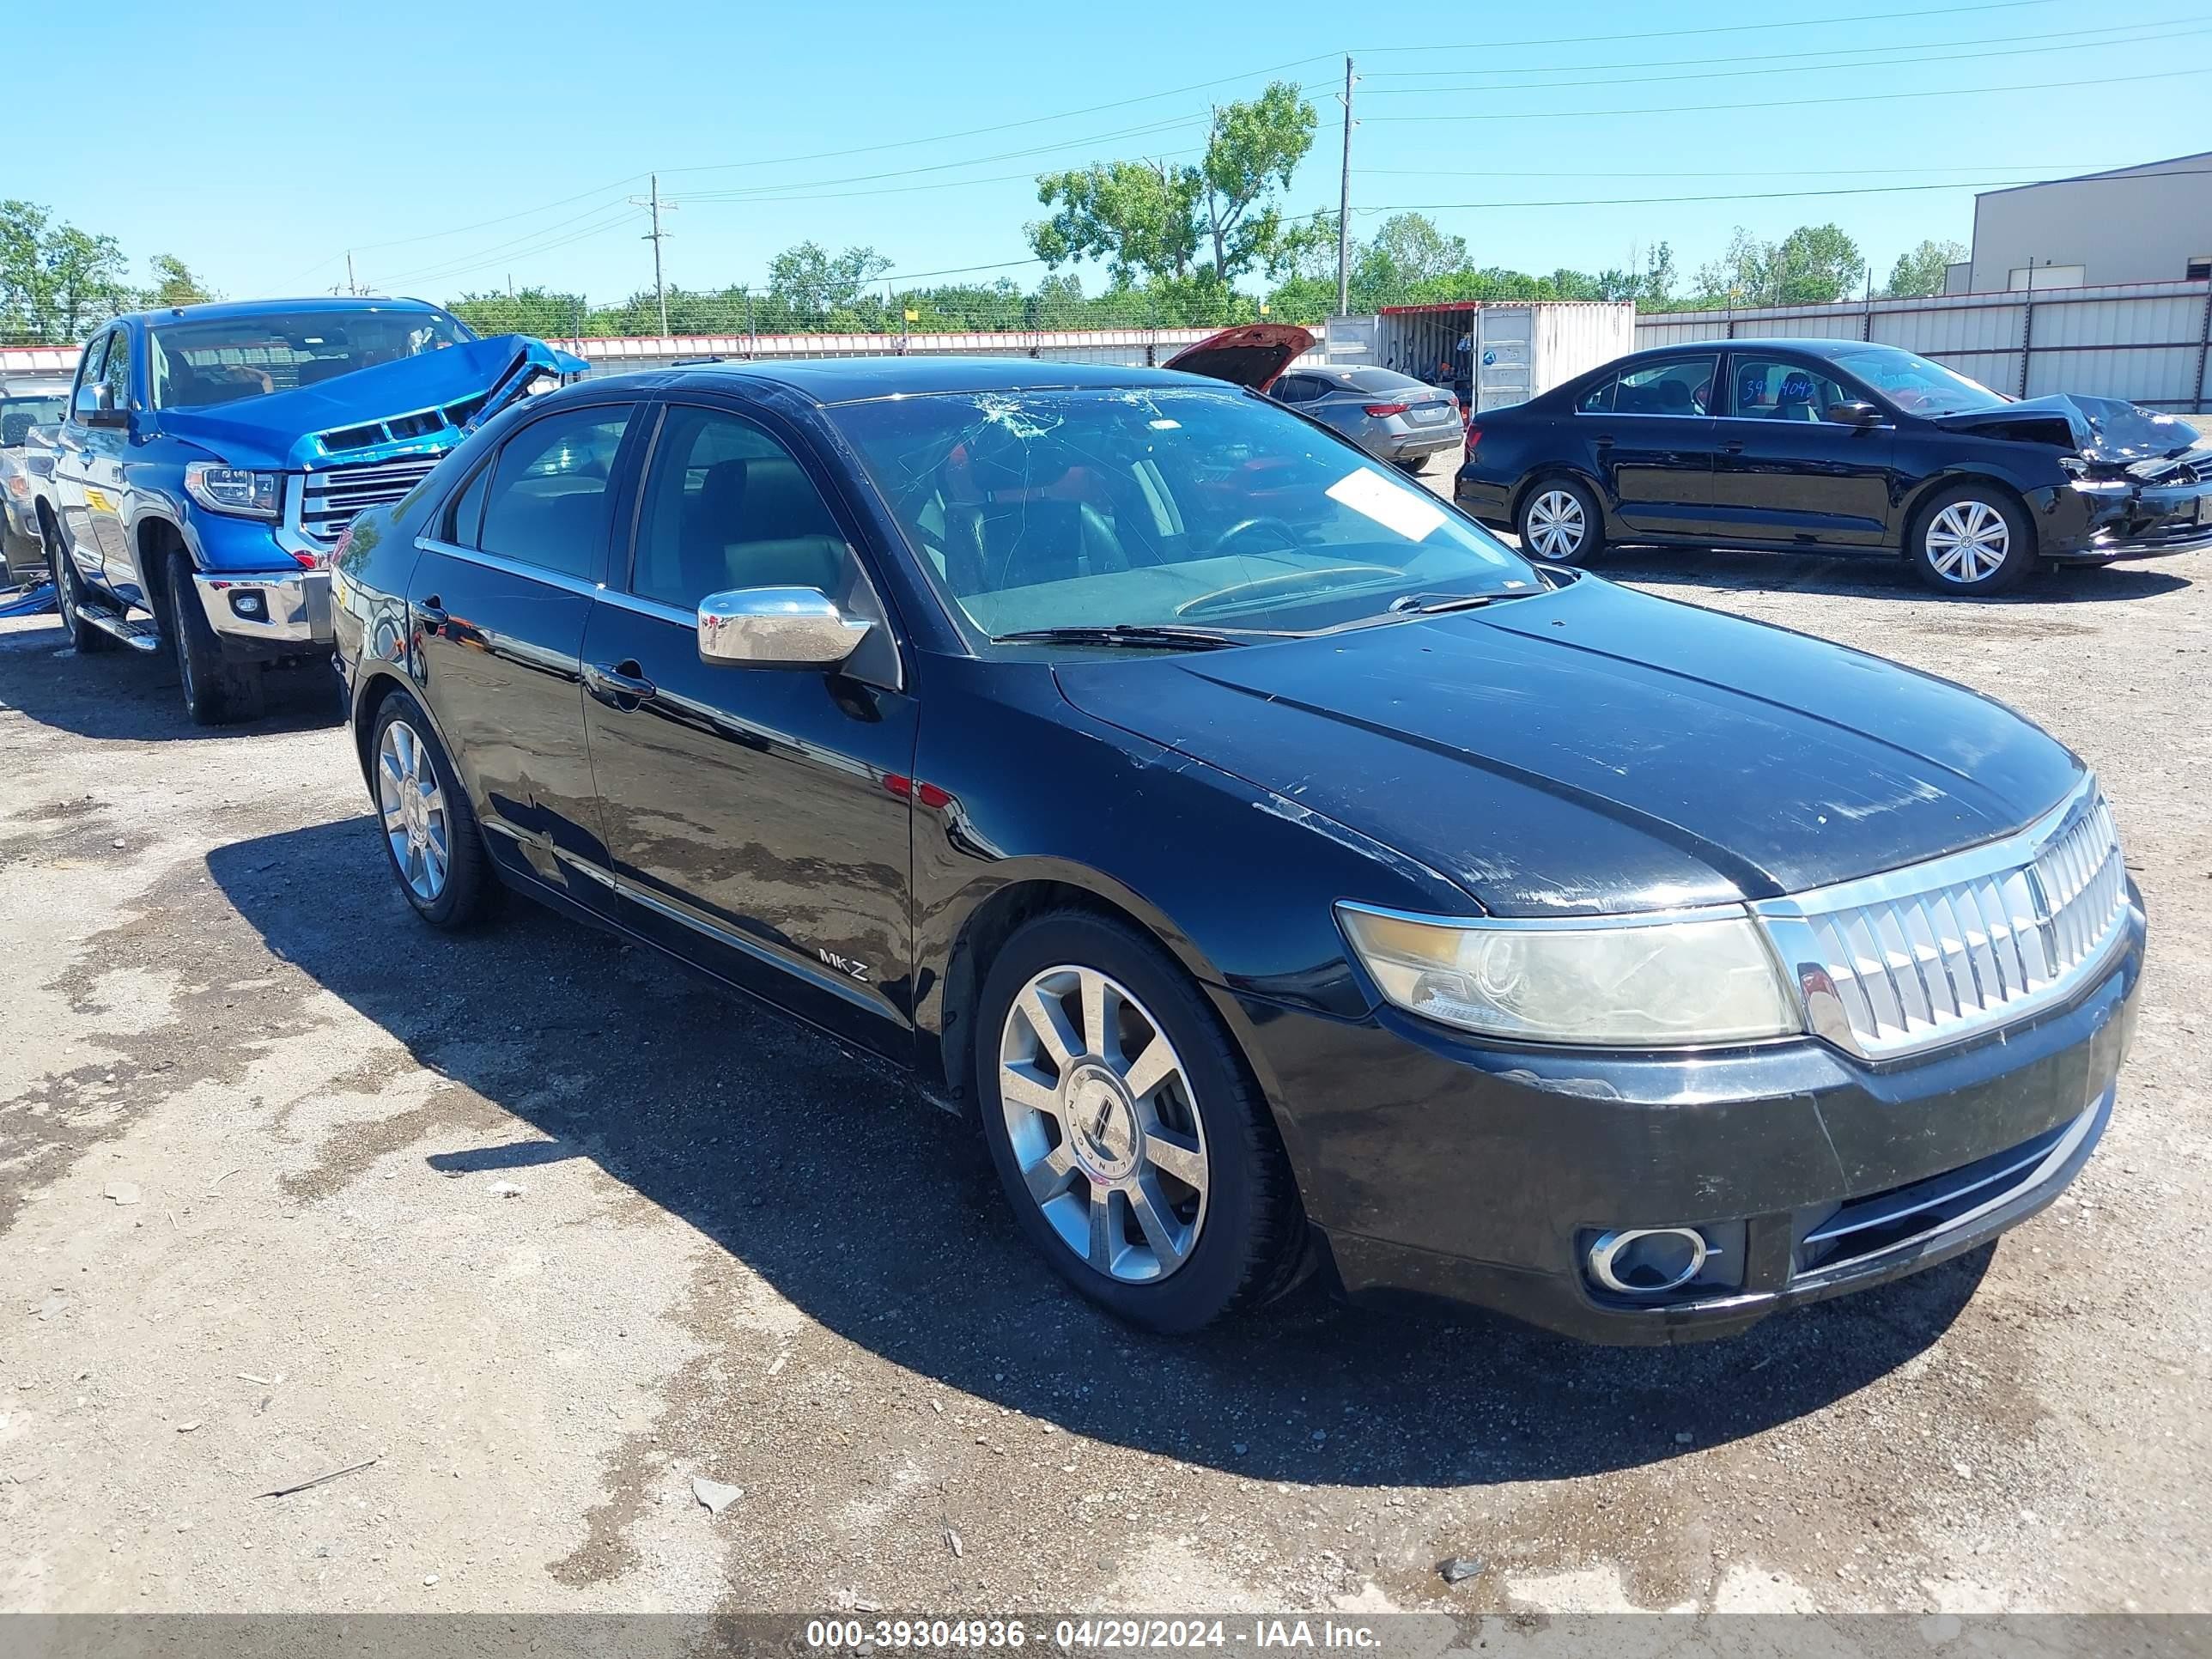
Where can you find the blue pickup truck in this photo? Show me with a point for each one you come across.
(210, 457)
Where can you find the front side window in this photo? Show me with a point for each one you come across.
(196, 365)
(1772, 389)
(727, 505)
(88, 365)
(1915, 385)
(1681, 386)
(1161, 507)
(115, 370)
(547, 500)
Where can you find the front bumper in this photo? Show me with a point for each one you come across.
(282, 610)
(2141, 521)
(1442, 1167)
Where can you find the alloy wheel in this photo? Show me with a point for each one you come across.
(1104, 1128)
(413, 808)
(1967, 541)
(1556, 525)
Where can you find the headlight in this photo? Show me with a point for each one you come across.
(234, 490)
(1642, 983)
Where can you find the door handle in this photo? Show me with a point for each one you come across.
(430, 614)
(1734, 447)
(1603, 440)
(621, 685)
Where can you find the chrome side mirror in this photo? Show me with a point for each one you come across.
(95, 406)
(777, 628)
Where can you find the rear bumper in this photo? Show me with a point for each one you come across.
(1443, 1169)
(1492, 503)
(280, 612)
(2143, 521)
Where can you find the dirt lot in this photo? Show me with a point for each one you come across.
(289, 1184)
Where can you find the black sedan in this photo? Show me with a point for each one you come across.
(1282, 874)
(1837, 447)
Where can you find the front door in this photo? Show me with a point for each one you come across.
(497, 608)
(758, 818)
(87, 471)
(1784, 473)
(1649, 433)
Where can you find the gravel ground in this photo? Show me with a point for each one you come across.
(289, 1184)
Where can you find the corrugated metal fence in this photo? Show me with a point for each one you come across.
(2145, 342)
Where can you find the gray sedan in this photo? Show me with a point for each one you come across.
(1393, 416)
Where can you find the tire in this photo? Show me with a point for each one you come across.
(218, 692)
(23, 558)
(69, 595)
(1955, 533)
(1195, 1144)
(1559, 522)
(1412, 465)
(404, 756)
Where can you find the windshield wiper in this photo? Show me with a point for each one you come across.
(1434, 604)
(1143, 635)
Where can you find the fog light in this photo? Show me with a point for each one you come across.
(247, 603)
(1648, 1260)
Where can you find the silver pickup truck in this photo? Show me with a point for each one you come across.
(26, 402)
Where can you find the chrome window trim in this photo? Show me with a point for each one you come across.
(499, 562)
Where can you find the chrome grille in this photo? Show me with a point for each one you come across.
(329, 499)
(1936, 952)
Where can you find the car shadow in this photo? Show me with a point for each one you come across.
(1729, 570)
(879, 1217)
(133, 695)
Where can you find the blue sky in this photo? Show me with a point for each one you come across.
(453, 148)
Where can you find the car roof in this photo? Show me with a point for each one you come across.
(219, 310)
(1822, 348)
(855, 379)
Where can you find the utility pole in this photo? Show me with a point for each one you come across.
(655, 236)
(1343, 207)
(352, 287)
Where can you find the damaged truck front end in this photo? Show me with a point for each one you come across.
(213, 456)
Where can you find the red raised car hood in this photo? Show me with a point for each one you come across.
(1251, 355)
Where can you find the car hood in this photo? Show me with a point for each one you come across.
(1594, 751)
(2101, 429)
(1252, 355)
(285, 430)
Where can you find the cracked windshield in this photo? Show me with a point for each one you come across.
(1194, 510)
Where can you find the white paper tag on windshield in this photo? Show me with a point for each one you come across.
(1407, 512)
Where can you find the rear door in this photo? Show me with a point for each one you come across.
(1649, 433)
(1784, 474)
(496, 608)
(758, 818)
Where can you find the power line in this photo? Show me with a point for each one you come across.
(1792, 103)
(1732, 196)
(1766, 70)
(1716, 28)
(1642, 64)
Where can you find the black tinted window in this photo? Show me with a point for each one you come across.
(547, 501)
(1680, 386)
(727, 505)
(465, 516)
(1598, 400)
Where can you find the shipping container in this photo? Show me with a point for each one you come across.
(1490, 354)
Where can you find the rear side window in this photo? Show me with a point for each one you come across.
(1598, 400)
(548, 495)
(1681, 386)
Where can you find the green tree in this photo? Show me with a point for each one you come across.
(57, 282)
(1815, 264)
(1140, 218)
(543, 312)
(811, 281)
(1149, 221)
(175, 283)
(1920, 273)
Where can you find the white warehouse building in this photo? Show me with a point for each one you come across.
(2148, 223)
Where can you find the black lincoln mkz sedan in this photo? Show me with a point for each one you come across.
(1837, 447)
(1282, 874)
